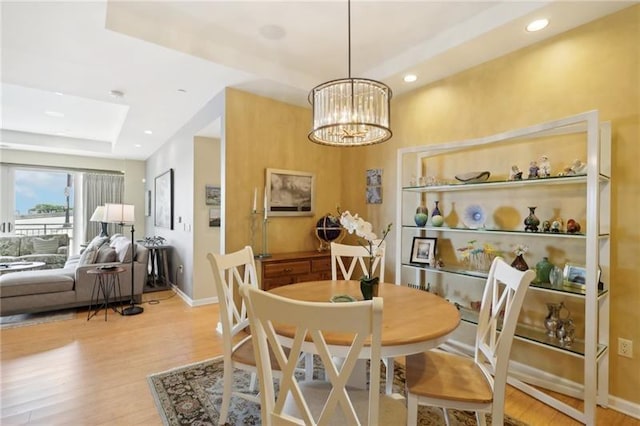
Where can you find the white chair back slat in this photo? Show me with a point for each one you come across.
(307, 326)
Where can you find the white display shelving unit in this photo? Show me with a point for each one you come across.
(591, 247)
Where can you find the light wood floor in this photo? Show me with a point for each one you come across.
(79, 372)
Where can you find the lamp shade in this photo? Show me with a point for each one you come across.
(119, 213)
(98, 215)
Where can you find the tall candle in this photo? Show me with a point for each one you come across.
(255, 199)
(265, 203)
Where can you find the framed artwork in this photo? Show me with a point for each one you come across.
(164, 200)
(576, 275)
(214, 217)
(374, 186)
(212, 195)
(289, 193)
(423, 250)
(147, 202)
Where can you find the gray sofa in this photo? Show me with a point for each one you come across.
(50, 249)
(72, 285)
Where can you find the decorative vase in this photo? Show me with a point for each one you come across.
(422, 215)
(552, 319)
(369, 287)
(519, 263)
(543, 269)
(566, 333)
(436, 210)
(556, 277)
(531, 222)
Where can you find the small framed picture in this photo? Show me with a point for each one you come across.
(212, 195)
(576, 275)
(423, 250)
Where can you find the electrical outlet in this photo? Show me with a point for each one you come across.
(625, 347)
(180, 268)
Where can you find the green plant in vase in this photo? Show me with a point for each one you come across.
(363, 229)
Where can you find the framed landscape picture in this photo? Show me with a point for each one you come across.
(164, 200)
(423, 250)
(290, 193)
(212, 195)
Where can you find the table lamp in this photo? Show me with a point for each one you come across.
(123, 214)
(98, 216)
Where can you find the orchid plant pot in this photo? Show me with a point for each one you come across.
(369, 287)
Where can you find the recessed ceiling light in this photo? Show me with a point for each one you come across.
(148, 132)
(537, 25)
(116, 94)
(137, 145)
(59, 93)
(410, 78)
(54, 114)
(182, 91)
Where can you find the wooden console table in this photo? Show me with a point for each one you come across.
(289, 268)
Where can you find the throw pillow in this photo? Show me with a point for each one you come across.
(98, 241)
(106, 254)
(122, 247)
(88, 256)
(42, 246)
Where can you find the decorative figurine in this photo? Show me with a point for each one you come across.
(578, 167)
(545, 167)
(515, 173)
(556, 226)
(546, 226)
(573, 226)
(533, 170)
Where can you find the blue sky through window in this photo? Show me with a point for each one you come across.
(40, 187)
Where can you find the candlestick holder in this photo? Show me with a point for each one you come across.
(265, 221)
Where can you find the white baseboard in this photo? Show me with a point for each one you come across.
(192, 303)
(543, 379)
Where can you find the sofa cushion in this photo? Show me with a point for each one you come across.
(88, 256)
(10, 246)
(106, 254)
(122, 247)
(42, 246)
(27, 242)
(35, 282)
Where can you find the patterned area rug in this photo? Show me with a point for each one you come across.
(22, 320)
(191, 395)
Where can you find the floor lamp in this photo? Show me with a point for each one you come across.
(98, 216)
(123, 214)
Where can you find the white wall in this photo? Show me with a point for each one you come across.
(178, 154)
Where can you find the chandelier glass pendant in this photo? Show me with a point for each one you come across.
(350, 111)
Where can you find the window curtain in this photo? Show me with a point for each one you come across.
(97, 190)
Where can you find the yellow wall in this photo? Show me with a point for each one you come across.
(595, 66)
(261, 133)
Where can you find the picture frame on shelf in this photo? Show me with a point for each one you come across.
(290, 193)
(576, 276)
(423, 250)
(163, 208)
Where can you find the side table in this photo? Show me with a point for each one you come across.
(107, 282)
(158, 269)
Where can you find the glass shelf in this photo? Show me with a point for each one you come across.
(473, 186)
(571, 291)
(535, 335)
(501, 232)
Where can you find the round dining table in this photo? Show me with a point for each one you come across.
(413, 321)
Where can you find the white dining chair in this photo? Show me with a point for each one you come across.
(345, 258)
(229, 272)
(452, 381)
(319, 402)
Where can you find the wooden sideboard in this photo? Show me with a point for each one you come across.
(288, 268)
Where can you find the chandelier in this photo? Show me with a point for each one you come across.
(350, 111)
